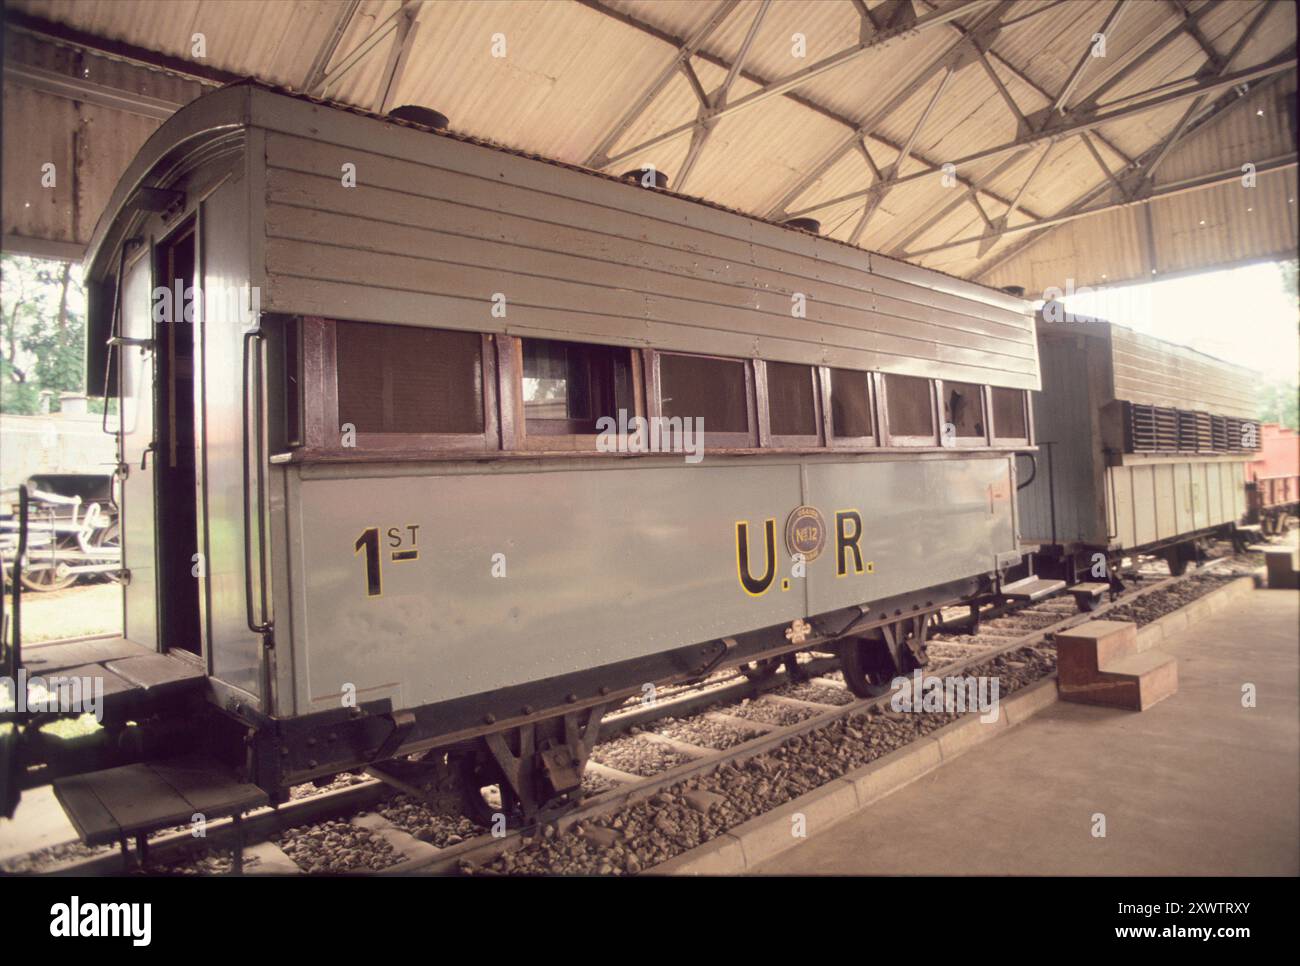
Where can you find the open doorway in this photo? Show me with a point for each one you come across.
(176, 451)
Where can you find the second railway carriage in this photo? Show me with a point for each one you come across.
(1143, 447)
(392, 484)
(1273, 479)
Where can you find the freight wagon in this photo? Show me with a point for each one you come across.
(1273, 480)
(1143, 446)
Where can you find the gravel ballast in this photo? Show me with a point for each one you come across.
(690, 813)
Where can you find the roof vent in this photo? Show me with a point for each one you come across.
(804, 224)
(421, 115)
(1017, 290)
(637, 176)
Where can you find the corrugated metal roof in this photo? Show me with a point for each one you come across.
(572, 68)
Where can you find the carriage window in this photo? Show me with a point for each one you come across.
(851, 403)
(909, 406)
(1009, 414)
(791, 399)
(714, 389)
(404, 379)
(963, 408)
(568, 386)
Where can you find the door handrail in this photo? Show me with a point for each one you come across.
(261, 622)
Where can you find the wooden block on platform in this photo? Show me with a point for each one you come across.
(1098, 663)
(1153, 675)
(1283, 573)
(1098, 642)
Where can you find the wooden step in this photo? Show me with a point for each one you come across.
(1092, 645)
(1098, 663)
(1283, 573)
(116, 803)
(136, 680)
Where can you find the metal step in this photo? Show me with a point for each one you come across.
(1032, 588)
(1089, 590)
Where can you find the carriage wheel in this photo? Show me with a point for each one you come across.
(867, 666)
(1177, 561)
(47, 579)
(43, 581)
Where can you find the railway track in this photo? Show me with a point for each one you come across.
(384, 823)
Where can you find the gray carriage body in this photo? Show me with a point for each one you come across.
(530, 565)
(1096, 493)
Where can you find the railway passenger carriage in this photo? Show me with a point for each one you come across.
(1143, 447)
(367, 501)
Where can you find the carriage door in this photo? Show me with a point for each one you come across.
(175, 438)
(136, 379)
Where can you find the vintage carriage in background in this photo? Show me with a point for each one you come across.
(1273, 479)
(1143, 447)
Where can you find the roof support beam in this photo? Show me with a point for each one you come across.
(1132, 106)
(948, 58)
(1022, 122)
(59, 33)
(1221, 66)
(874, 200)
(988, 56)
(994, 229)
(1213, 180)
(1101, 163)
(361, 50)
(1220, 108)
(82, 89)
(970, 194)
(1138, 57)
(854, 137)
(599, 158)
(1087, 57)
(403, 41)
(1016, 21)
(1193, 30)
(704, 125)
(323, 56)
(797, 79)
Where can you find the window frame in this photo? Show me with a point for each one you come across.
(716, 440)
(320, 400)
(965, 442)
(1026, 409)
(888, 436)
(828, 411)
(768, 439)
(514, 422)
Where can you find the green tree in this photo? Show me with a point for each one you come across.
(42, 332)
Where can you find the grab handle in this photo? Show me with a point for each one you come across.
(260, 622)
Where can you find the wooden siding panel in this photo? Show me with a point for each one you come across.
(636, 267)
(1158, 373)
(358, 301)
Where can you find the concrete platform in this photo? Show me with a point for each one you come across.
(1197, 785)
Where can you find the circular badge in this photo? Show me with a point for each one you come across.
(805, 532)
